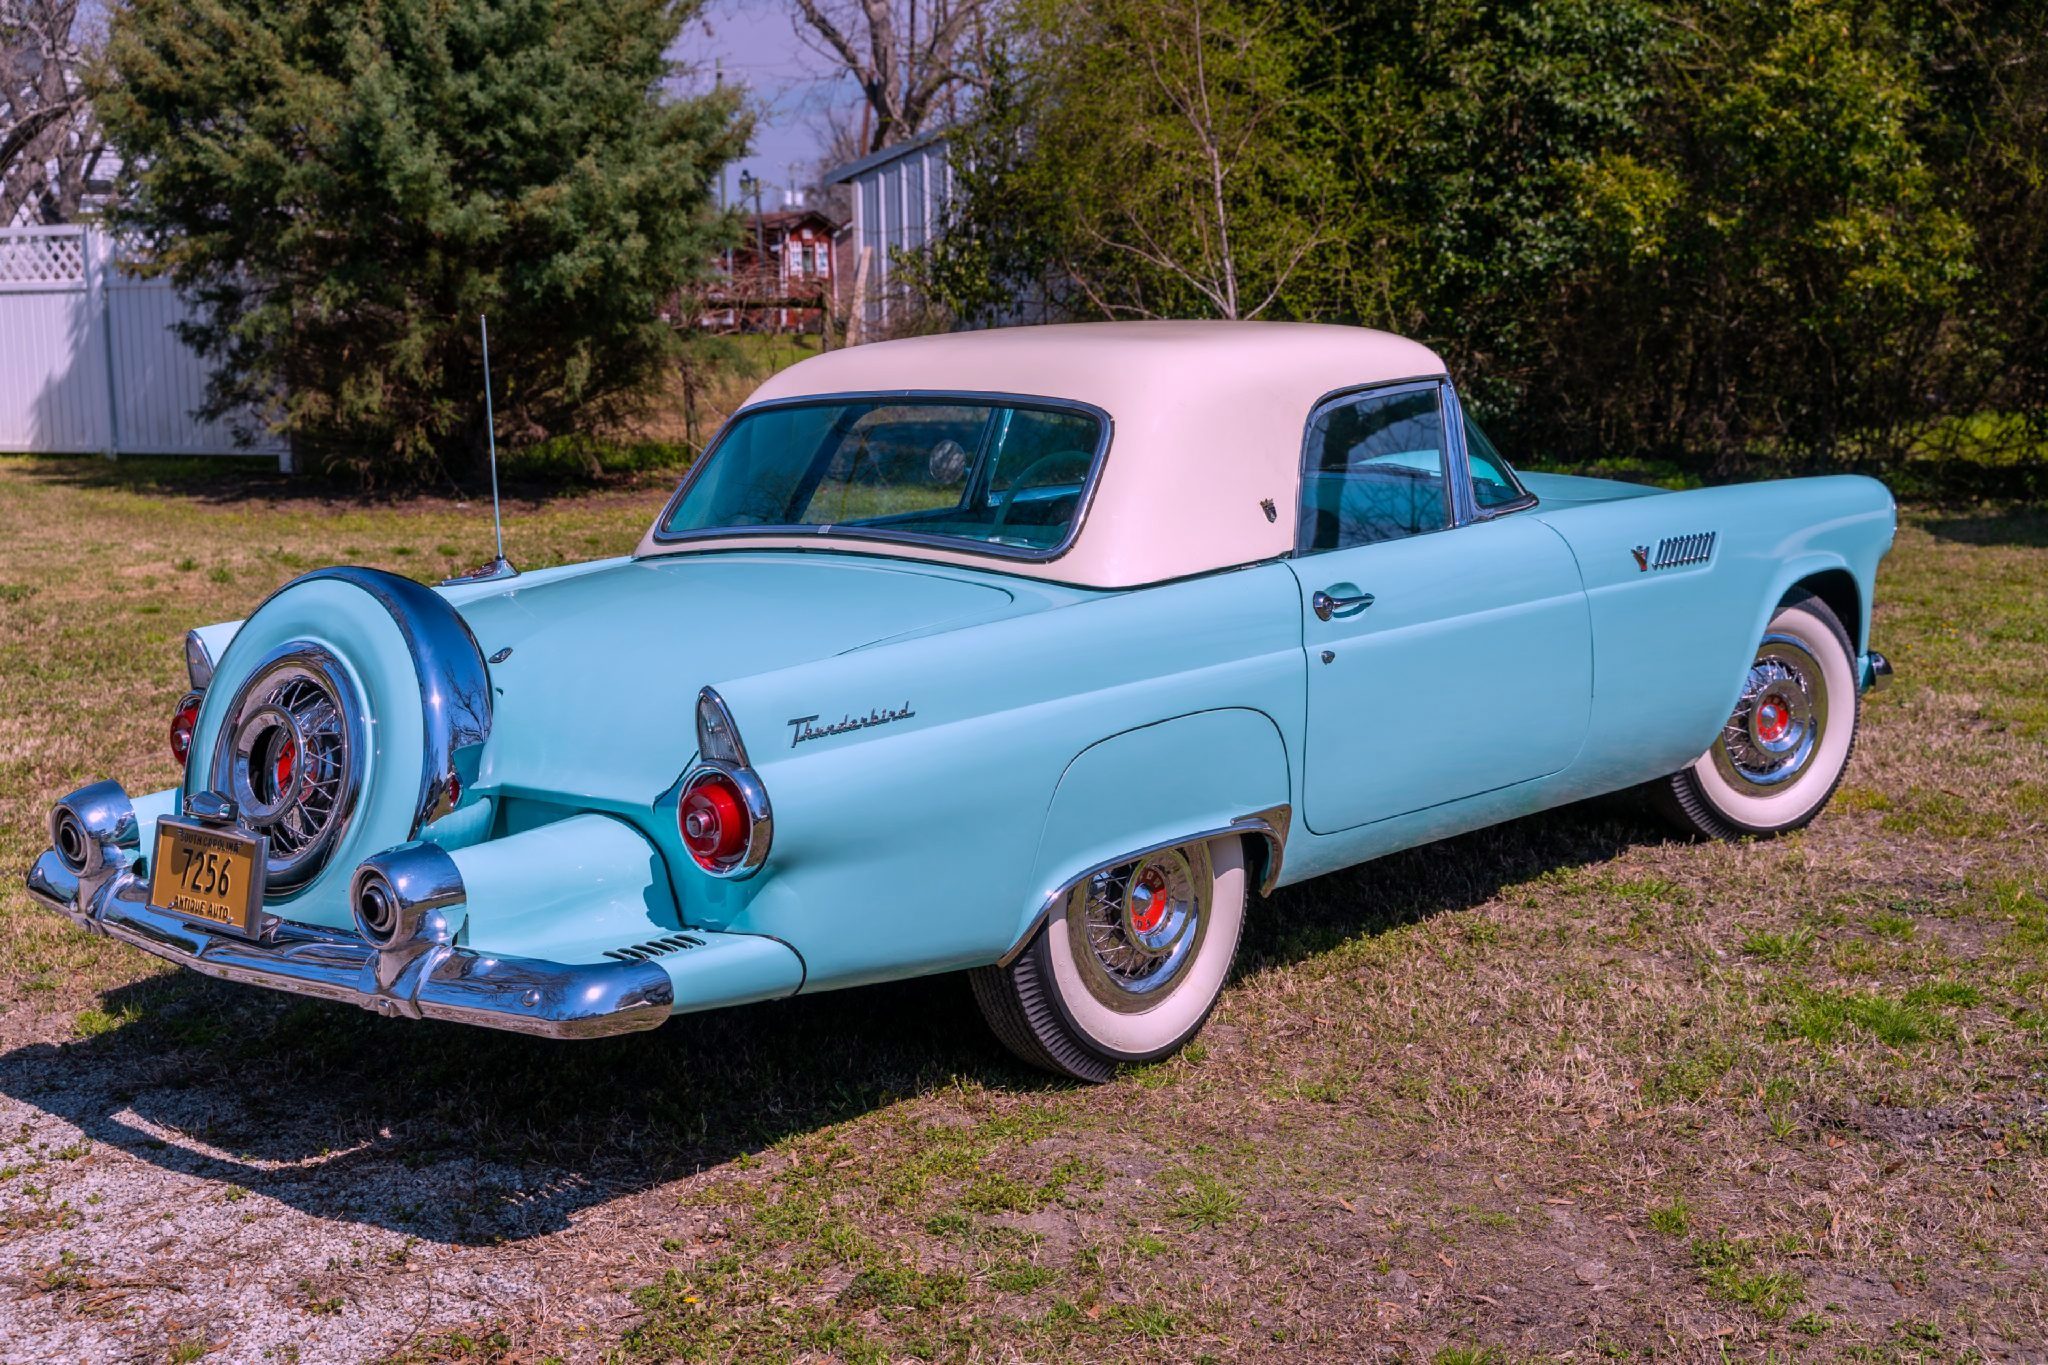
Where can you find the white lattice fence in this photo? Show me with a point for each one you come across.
(45, 258)
(89, 360)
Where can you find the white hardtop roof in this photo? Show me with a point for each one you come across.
(1208, 422)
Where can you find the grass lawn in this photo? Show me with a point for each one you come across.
(1563, 1089)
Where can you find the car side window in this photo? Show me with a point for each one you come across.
(1494, 485)
(1374, 469)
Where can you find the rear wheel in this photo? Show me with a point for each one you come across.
(1128, 965)
(1784, 748)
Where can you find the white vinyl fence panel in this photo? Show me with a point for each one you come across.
(89, 363)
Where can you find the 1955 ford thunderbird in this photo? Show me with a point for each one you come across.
(1027, 652)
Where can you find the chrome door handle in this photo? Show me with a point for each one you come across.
(1326, 606)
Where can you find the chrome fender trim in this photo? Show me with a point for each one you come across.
(1269, 825)
(455, 683)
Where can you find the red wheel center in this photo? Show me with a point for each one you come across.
(1773, 719)
(287, 763)
(1148, 902)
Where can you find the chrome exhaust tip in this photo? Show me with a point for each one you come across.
(93, 827)
(397, 896)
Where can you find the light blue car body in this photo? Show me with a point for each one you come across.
(1504, 667)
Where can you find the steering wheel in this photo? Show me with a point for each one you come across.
(1023, 480)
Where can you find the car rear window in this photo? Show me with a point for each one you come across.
(1003, 475)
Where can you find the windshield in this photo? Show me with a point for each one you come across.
(1002, 475)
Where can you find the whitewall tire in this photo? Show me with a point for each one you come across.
(1784, 749)
(1127, 966)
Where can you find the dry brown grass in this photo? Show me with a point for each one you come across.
(1565, 1088)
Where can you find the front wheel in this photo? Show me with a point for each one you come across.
(1785, 747)
(1128, 965)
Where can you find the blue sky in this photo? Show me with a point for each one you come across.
(791, 84)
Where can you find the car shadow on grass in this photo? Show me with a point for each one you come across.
(2022, 525)
(465, 1136)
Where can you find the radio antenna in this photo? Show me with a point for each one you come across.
(499, 567)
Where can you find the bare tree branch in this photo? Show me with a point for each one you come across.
(49, 138)
(902, 75)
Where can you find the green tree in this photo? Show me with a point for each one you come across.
(343, 187)
(1742, 234)
(1144, 158)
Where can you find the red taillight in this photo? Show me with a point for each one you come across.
(714, 821)
(183, 722)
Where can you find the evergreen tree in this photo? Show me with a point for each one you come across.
(343, 186)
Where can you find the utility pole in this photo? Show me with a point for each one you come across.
(751, 184)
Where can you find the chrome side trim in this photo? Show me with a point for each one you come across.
(455, 684)
(520, 995)
(1270, 824)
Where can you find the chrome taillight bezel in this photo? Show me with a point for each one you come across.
(721, 755)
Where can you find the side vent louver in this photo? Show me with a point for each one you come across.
(1674, 551)
(653, 948)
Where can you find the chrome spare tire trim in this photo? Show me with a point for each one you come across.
(454, 681)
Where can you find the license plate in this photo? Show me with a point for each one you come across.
(214, 875)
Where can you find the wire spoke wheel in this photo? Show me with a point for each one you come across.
(289, 753)
(1777, 724)
(1786, 743)
(1128, 965)
(1139, 925)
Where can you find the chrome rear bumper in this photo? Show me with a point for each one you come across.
(417, 980)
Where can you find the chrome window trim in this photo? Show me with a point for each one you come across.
(1343, 397)
(1470, 495)
(1464, 509)
(1464, 502)
(963, 545)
